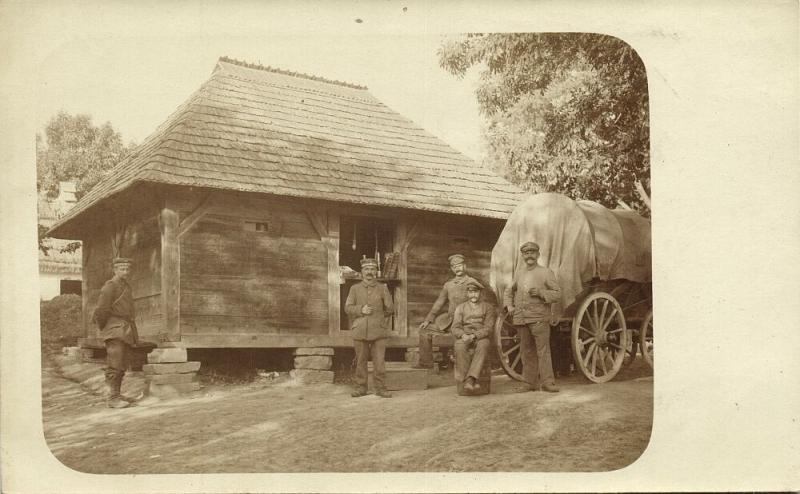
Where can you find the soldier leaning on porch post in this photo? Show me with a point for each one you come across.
(369, 306)
(115, 316)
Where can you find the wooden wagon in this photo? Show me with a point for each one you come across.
(602, 260)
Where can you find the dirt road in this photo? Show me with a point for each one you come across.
(281, 427)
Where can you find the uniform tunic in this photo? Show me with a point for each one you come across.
(454, 293)
(115, 314)
(529, 308)
(477, 319)
(373, 326)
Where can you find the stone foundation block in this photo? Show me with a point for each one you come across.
(167, 390)
(167, 355)
(171, 368)
(308, 376)
(318, 362)
(172, 378)
(313, 351)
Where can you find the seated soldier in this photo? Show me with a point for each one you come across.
(473, 323)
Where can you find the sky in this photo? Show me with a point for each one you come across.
(135, 82)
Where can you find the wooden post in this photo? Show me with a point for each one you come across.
(169, 224)
(327, 227)
(86, 317)
(406, 231)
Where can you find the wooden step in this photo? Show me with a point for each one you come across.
(401, 376)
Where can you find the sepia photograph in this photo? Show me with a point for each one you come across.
(288, 239)
(370, 250)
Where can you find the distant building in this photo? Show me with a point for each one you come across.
(59, 272)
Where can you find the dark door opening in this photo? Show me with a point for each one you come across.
(359, 237)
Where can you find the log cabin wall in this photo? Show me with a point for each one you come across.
(249, 265)
(138, 239)
(428, 267)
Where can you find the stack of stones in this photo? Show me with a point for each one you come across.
(168, 372)
(312, 365)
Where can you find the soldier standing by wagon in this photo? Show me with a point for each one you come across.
(454, 293)
(115, 317)
(369, 306)
(528, 299)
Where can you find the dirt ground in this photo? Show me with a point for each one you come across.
(283, 427)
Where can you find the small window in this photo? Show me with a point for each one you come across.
(256, 226)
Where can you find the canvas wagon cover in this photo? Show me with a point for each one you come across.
(578, 240)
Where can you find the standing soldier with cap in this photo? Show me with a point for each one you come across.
(114, 316)
(473, 322)
(454, 293)
(369, 306)
(528, 299)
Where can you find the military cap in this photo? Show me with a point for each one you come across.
(122, 260)
(529, 246)
(369, 262)
(474, 285)
(456, 259)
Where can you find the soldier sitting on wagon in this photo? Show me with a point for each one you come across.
(473, 322)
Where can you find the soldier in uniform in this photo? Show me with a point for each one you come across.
(473, 322)
(369, 306)
(528, 300)
(115, 316)
(454, 293)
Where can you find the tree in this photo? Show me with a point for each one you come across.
(564, 112)
(74, 149)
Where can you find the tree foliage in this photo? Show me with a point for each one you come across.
(564, 112)
(74, 149)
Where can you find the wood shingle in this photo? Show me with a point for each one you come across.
(263, 130)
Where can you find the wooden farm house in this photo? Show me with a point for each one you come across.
(246, 211)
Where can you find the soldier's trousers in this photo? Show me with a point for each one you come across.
(470, 365)
(117, 355)
(537, 364)
(377, 348)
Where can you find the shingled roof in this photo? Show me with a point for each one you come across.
(258, 129)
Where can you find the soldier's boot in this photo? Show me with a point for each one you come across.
(115, 398)
(550, 388)
(469, 383)
(383, 393)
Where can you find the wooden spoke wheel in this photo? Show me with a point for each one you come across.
(646, 338)
(507, 342)
(599, 337)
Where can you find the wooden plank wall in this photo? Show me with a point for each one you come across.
(139, 241)
(237, 281)
(428, 267)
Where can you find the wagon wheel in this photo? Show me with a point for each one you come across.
(646, 338)
(599, 337)
(507, 342)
